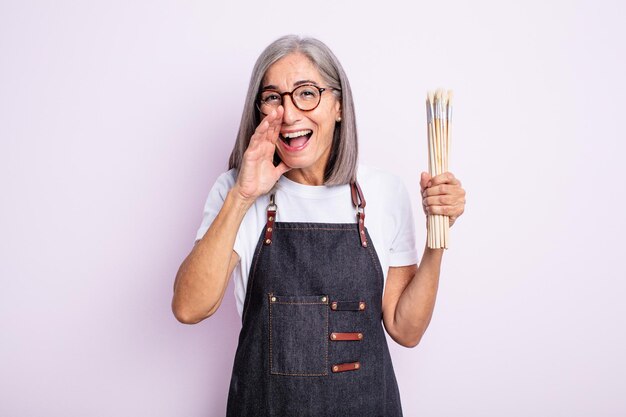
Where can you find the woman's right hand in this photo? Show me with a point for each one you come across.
(257, 174)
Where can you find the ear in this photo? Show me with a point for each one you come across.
(338, 111)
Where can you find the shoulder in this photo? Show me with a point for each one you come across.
(215, 200)
(385, 193)
(227, 179)
(389, 216)
(219, 191)
(375, 181)
(224, 182)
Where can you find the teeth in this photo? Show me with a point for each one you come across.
(296, 134)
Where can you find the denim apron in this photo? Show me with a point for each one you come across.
(312, 341)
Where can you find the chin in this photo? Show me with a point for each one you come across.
(296, 163)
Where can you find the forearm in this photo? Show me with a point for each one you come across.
(203, 276)
(416, 303)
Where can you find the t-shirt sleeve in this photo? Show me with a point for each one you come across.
(403, 251)
(215, 201)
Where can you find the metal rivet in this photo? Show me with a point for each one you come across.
(334, 305)
(271, 218)
(360, 336)
(273, 299)
(269, 229)
(333, 336)
(323, 299)
(335, 368)
(356, 366)
(361, 306)
(268, 241)
(364, 244)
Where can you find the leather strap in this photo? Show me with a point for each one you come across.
(346, 336)
(343, 367)
(357, 195)
(347, 305)
(359, 202)
(271, 218)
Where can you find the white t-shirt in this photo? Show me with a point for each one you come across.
(388, 217)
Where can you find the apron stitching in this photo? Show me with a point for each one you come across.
(314, 228)
(327, 347)
(270, 341)
(289, 302)
(249, 286)
(270, 337)
(280, 373)
(377, 266)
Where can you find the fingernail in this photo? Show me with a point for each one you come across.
(429, 183)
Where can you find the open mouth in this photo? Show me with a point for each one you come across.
(295, 141)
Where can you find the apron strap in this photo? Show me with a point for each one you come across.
(271, 218)
(357, 199)
(359, 202)
(357, 195)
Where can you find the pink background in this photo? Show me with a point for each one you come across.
(116, 118)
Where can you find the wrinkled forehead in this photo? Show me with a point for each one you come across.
(289, 72)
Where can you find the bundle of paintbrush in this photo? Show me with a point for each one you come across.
(439, 112)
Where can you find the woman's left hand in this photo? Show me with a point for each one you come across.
(442, 194)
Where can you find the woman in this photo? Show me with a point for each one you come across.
(310, 287)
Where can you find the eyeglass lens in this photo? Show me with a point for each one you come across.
(305, 97)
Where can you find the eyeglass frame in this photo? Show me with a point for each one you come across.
(289, 93)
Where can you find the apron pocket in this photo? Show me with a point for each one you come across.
(298, 339)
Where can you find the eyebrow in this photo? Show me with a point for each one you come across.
(296, 84)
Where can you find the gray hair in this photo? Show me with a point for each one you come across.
(342, 162)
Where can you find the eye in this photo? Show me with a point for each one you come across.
(270, 97)
(307, 92)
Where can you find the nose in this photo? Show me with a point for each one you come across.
(292, 114)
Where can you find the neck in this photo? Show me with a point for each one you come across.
(306, 176)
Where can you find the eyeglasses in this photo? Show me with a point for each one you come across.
(305, 97)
